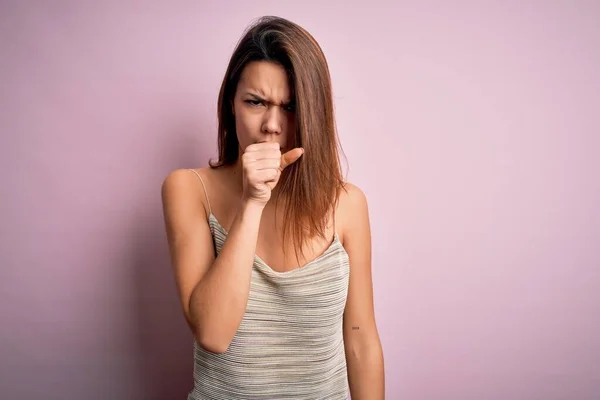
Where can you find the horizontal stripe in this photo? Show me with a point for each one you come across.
(289, 344)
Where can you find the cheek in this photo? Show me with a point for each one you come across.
(247, 127)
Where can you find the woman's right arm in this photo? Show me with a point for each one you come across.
(213, 291)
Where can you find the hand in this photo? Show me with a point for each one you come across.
(262, 164)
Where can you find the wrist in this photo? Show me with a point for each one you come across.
(250, 206)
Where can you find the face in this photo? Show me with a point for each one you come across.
(263, 106)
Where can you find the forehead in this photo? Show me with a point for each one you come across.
(266, 78)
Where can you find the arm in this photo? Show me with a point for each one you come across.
(364, 354)
(213, 292)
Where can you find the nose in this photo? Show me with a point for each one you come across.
(273, 120)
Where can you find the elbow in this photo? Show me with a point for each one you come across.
(213, 345)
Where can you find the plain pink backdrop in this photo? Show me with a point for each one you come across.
(473, 129)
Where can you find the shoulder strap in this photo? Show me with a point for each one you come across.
(333, 212)
(205, 192)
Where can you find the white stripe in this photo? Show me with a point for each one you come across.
(289, 344)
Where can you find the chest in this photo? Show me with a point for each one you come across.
(270, 247)
(281, 256)
(313, 297)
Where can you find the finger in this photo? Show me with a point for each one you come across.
(262, 155)
(263, 146)
(267, 163)
(273, 182)
(266, 175)
(291, 157)
(270, 153)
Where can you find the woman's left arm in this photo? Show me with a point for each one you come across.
(364, 354)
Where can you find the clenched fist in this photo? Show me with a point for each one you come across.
(262, 164)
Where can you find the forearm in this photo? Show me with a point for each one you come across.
(218, 302)
(366, 372)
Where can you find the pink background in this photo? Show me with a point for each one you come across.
(473, 129)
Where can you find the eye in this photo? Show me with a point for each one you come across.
(254, 103)
(289, 108)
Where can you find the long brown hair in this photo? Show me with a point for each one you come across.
(312, 185)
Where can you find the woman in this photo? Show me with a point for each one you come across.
(270, 248)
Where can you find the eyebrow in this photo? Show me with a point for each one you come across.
(257, 97)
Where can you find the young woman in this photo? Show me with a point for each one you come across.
(271, 249)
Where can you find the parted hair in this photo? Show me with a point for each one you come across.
(310, 187)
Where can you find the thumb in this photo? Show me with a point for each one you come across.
(290, 157)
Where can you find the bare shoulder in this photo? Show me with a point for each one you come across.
(352, 212)
(352, 200)
(352, 194)
(181, 180)
(183, 186)
(185, 173)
